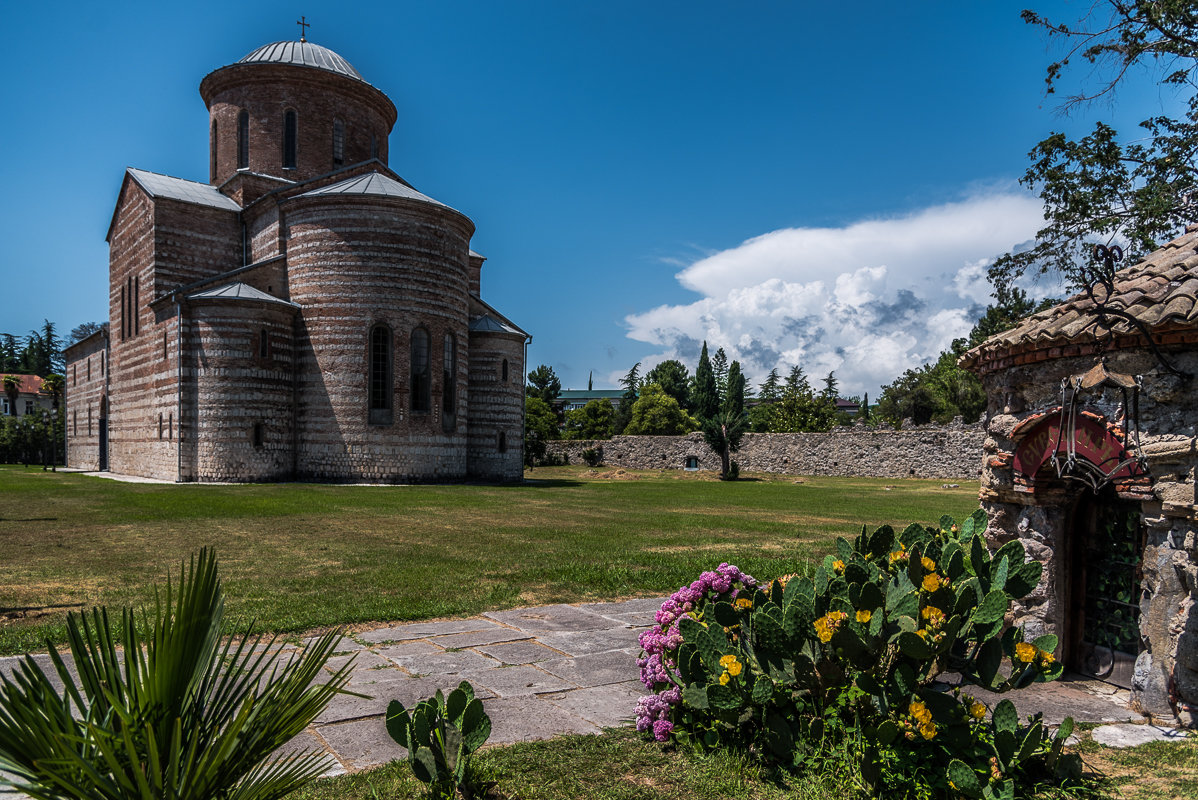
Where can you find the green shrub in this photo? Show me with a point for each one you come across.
(178, 715)
(440, 734)
(592, 456)
(851, 659)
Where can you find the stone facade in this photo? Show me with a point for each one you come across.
(1056, 515)
(931, 451)
(305, 315)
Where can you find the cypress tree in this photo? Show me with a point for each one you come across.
(734, 398)
(719, 369)
(706, 402)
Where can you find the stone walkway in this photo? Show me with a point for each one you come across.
(561, 669)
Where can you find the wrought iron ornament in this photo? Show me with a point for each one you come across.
(1068, 465)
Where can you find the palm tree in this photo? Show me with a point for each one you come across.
(177, 715)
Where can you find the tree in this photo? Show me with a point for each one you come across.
(863, 413)
(796, 380)
(82, 331)
(543, 384)
(540, 425)
(723, 435)
(631, 383)
(1138, 193)
(595, 420)
(705, 401)
(734, 396)
(830, 386)
(12, 389)
(771, 387)
(674, 379)
(719, 370)
(655, 413)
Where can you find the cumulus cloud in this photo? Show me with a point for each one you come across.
(868, 300)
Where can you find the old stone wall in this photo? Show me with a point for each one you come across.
(496, 406)
(83, 396)
(931, 451)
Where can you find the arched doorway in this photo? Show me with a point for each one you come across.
(1106, 546)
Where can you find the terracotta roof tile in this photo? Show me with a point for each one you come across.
(30, 384)
(1160, 290)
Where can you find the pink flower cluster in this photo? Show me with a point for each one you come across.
(660, 644)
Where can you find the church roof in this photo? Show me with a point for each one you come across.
(485, 319)
(202, 194)
(304, 54)
(373, 183)
(238, 291)
(1160, 291)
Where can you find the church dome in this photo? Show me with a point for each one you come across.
(304, 54)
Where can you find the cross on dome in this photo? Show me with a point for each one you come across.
(304, 25)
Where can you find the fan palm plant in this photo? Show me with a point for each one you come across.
(176, 714)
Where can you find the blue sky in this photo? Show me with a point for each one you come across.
(800, 183)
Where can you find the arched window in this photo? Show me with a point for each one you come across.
(502, 442)
(374, 146)
(380, 375)
(263, 344)
(212, 139)
(338, 143)
(449, 384)
(243, 140)
(421, 385)
(290, 133)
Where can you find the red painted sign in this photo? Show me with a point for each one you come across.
(1093, 444)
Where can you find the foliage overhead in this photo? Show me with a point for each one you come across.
(544, 383)
(1138, 192)
(674, 379)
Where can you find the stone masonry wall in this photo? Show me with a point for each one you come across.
(931, 451)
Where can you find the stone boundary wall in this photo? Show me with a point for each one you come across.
(930, 451)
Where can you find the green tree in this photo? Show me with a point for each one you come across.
(723, 435)
(540, 426)
(595, 420)
(544, 384)
(831, 385)
(674, 379)
(796, 380)
(1139, 192)
(863, 413)
(655, 413)
(82, 331)
(12, 389)
(734, 396)
(706, 399)
(631, 383)
(719, 370)
(771, 387)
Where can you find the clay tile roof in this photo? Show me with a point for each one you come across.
(30, 384)
(1160, 290)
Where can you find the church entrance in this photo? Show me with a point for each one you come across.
(1104, 587)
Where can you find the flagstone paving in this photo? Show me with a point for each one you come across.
(552, 670)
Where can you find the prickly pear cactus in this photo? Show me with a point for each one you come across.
(439, 734)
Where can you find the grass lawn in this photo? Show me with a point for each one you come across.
(300, 557)
(620, 765)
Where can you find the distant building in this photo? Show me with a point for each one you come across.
(30, 399)
(572, 399)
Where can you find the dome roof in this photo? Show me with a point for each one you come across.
(304, 54)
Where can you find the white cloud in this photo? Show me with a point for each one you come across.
(868, 300)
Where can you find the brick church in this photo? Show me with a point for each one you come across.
(305, 314)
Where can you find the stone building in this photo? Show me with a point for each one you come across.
(306, 314)
(1089, 460)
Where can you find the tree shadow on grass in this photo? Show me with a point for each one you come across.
(544, 483)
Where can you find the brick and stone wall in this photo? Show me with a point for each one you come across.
(495, 427)
(86, 364)
(931, 451)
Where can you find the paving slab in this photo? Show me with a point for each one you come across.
(362, 743)
(552, 618)
(581, 643)
(460, 640)
(363, 660)
(517, 681)
(1057, 700)
(529, 652)
(526, 719)
(597, 669)
(606, 706)
(441, 663)
(1131, 735)
(650, 604)
(421, 630)
(381, 687)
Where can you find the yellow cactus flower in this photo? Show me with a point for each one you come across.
(923, 633)
(731, 665)
(1046, 657)
(838, 566)
(931, 582)
(919, 711)
(743, 603)
(898, 555)
(826, 625)
(933, 615)
(863, 615)
(928, 564)
(927, 731)
(977, 710)
(724, 679)
(1025, 652)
